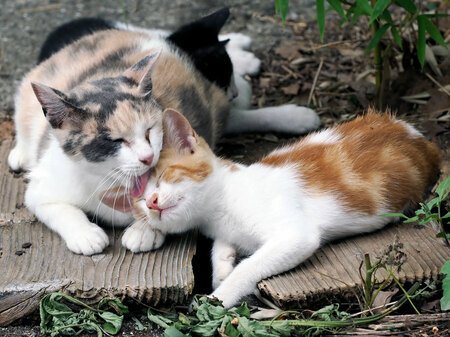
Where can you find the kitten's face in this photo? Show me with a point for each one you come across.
(112, 125)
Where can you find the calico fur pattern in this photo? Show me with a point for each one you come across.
(278, 211)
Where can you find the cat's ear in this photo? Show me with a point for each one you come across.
(117, 198)
(54, 105)
(141, 72)
(178, 133)
(216, 20)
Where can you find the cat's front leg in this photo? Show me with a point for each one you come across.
(223, 257)
(274, 257)
(141, 237)
(81, 235)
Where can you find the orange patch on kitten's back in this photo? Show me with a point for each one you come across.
(371, 163)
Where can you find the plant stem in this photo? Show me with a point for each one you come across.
(368, 281)
(408, 297)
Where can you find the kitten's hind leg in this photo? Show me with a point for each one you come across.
(223, 257)
(288, 118)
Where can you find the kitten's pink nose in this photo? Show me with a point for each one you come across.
(153, 202)
(146, 160)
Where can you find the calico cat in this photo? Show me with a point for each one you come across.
(102, 94)
(278, 211)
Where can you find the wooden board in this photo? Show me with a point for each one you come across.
(157, 277)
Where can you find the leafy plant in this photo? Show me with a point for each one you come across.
(378, 13)
(431, 212)
(445, 300)
(58, 317)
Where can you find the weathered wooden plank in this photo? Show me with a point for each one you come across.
(333, 271)
(157, 277)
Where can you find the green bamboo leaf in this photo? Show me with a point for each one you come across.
(434, 32)
(364, 7)
(445, 300)
(379, 8)
(421, 40)
(337, 6)
(408, 5)
(395, 215)
(320, 7)
(396, 36)
(282, 6)
(387, 16)
(446, 216)
(377, 38)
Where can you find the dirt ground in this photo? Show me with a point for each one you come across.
(335, 78)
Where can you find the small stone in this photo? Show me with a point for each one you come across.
(19, 252)
(26, 245)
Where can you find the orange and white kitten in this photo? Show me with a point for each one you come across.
(278, 211)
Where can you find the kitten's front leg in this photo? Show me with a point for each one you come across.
(141, 237)
(223, 256)
(274, 257)
(81, 235)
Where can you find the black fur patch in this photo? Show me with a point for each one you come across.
(73, 142)
(113, 60)
(199, 40)
(100, 148)
(70, 32)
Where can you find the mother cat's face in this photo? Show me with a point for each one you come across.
(109, 125)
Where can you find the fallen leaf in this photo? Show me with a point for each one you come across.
(383, 298)
(287, 50)
(291, 89)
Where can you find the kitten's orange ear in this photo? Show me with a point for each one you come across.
(54, 104)
(141, 72)
(117, 198)
(178, 133)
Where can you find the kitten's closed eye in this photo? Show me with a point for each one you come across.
(121, 140)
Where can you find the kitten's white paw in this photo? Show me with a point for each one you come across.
(140, 237)
(244, 62)
(296, 119)
(237, 40)
(89, 239)
(17, 159)
(224, 268)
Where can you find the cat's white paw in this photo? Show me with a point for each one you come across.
(237, 40)
(140, 237)
(17, 159)
(244, 62)
(89, 239)
(221, 271)
(296, 119)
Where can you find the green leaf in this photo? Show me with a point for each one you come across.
(284, 329)
(396, 36)
(114, 303)
(207, 328)
(413, 219)
(446, 216)
(282, 6)
(159, 320)
(173, 332)
(387, 16)
(377, 37)
(434, 32)
(364, 7)
(251, 328)
(443, 186)
(337, 6)
(421, 40)
(242, 310)
(320, 7)
(139, 325)
(445, 300)
(408, 5)
(113, 322)
(395, 215)
(231, 331)
(379, 8)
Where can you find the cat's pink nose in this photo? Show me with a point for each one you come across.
(146, 160)
(153, 202)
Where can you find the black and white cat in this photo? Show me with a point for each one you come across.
(103, 92)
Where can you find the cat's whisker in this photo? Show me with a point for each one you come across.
(110, 175)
